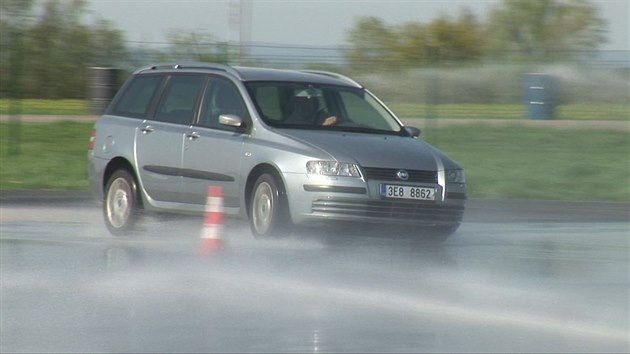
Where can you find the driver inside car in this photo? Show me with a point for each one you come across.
(305, 110)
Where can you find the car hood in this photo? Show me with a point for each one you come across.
(375, 150)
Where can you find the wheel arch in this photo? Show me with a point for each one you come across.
(256, 172)
(120, 163)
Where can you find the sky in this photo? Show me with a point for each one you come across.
(304, 22)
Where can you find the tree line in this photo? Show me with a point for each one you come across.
(46, 48)
(45, 54)
(515, 30)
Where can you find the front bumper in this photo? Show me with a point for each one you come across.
(386, 211)
(359, 200)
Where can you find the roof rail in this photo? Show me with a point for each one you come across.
(192, 65)
(333, 75)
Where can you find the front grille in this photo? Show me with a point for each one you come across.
(389, 174)
(420, 212)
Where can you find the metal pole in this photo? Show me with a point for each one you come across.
(15, 94)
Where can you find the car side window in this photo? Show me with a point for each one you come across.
(180, 99)
(268, 99)
(136, 99)
(364, 111)
(222, 97)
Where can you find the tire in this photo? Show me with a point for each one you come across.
(268, 208)
(120, 204)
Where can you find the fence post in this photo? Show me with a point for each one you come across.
(15, 94)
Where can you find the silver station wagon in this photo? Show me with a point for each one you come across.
(287, 147)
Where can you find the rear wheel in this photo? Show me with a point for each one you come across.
(268, 209)
(120, 207)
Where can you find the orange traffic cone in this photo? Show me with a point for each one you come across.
(211, 234)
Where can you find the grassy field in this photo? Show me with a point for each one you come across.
(51, 156)
(40, 106)
(510, 111)
(583, 111)
(500, 162)
(538, 163)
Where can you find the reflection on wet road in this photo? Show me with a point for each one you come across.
(510, 287)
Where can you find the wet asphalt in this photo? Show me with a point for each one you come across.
(518, 276)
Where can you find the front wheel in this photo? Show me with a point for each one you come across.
(268, 209)
(121, 203)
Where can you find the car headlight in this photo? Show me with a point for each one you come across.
(332, 168)
(455, 176)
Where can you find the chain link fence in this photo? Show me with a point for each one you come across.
(592, 85)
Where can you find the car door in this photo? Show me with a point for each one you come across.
(212, 151)
(160, 139)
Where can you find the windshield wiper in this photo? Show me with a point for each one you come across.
(358, 129)
(338, 128)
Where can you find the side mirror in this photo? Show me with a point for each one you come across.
(231, 120)
(412, 131)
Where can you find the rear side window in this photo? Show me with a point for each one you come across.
(180, 99)
(136, 99)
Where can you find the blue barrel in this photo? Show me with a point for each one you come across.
(539, 96)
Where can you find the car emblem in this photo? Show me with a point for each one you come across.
(402, 175)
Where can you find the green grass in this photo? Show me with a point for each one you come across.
(500, 162)
(585, 111)
(538, 163)
(51, 156)
(594, 111)
(42, 106)
(509, 111)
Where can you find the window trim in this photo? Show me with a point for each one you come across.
(162, 92)
(113, 108)
(210, 81)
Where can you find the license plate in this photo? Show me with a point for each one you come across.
(407, 192)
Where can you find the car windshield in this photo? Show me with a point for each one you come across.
(310, 106)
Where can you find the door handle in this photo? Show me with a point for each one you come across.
(193, 136)
(147, 129)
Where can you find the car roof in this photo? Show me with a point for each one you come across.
(256, 74)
